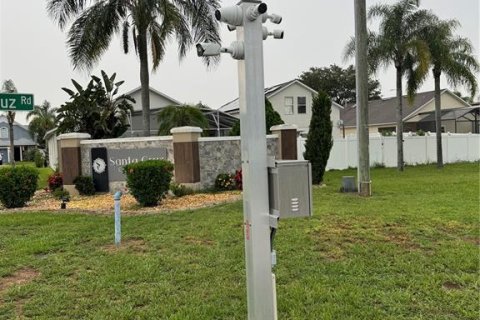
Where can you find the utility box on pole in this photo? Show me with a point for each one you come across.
(290, 188)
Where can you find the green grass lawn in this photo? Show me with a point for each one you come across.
(409, 252)
(43, 173)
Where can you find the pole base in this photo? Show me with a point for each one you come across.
(365, 189)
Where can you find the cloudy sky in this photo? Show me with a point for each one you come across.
(34, 55)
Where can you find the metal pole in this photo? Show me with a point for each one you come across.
(118, 223)
(361, 67)
(261, 304)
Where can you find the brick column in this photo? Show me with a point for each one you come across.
(69, 160)
(287, 141)
(185, 154)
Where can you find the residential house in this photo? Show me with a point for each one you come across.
(457, 115)
(293, 101)
(22, 139)
(219, 122)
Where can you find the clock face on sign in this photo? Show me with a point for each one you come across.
(99, 165)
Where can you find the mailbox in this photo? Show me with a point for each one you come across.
(290, 188)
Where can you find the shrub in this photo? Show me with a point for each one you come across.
(61, 193)
(29, 154)
(239, 179)
(84, 185)
(180, 190)
(55, 181)
(319, 140)
(225, 181)
(148, 181)
(39, 159)
(420, 132)
(17, 185)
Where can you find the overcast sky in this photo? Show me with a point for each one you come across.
(34, 55)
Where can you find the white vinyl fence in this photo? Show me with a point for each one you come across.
(416, 149)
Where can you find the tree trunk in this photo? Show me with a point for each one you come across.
(11, 119)
(363, 169)
(144, 81)
(400, 164)
(438, 119)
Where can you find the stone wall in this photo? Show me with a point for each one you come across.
(223, 155)
(216, 155)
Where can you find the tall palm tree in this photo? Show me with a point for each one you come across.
(452, 56)
(398, 42)
(179, 116)
(151, 24)
(9, 86)
(43, 119)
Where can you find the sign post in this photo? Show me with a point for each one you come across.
(16, 102)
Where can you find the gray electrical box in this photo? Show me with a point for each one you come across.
(290, 188)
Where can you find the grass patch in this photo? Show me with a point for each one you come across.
(43, 173)
(410, 251)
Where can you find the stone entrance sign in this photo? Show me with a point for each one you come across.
(118, 158)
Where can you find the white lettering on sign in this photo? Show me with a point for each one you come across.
(7, 103)
(26, 100)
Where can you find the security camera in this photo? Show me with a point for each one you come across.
(231, 15)
(274, 18)
(207, 49)
(255, 11)
(277, 34)
(237, 50)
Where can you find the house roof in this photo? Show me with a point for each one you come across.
(383, 111)
(154, 91)
(451, 114)
(269, 92)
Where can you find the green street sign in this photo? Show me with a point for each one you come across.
(16, 102)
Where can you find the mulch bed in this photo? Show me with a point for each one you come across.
(103, 203)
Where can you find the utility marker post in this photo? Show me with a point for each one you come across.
(118, 222)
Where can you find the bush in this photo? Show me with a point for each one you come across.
(29, 155)
(180, 190)
(84, 185)
(17, 185)
(225, 181)
(39, 159)
(148, 181)
(319, 140)
(55, 181)
(239, 179)
(61, 193)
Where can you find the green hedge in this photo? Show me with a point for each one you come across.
(149, 181)
(17, 185)
(84, 185)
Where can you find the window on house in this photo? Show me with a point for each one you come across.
(4, 133)
(302, 104)
(288, 105)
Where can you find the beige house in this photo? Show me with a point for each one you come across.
(457, 115)
(293, 101)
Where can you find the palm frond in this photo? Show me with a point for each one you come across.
(63, 10)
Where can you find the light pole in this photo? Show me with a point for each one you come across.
(247, 18)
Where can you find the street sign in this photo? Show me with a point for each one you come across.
(16, 102)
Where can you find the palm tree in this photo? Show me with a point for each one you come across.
(179, 116)
(151, 24)
(9, 86)
(398, 42)
(453, 57)
(43, 119)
